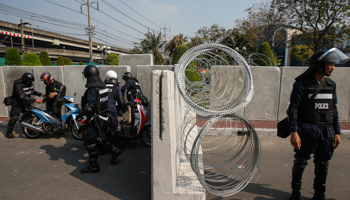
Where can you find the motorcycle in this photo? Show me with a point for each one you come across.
(36, 121)
(140, 124)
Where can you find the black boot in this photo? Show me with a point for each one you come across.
(297, 174)
(321, 171)
(92, 168)
(10, 126)
(9, 134)
(116, 152)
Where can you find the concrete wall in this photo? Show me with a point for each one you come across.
(167, 115)
(71, 76)
(272, 86)
(135, 59)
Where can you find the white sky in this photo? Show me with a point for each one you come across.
(124, 27)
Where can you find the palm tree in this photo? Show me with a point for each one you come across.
(152, 44)
(176, 41)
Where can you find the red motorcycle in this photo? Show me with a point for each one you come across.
(140, 124)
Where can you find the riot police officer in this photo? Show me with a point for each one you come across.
(313, 117)
(53, 91)
(22, 90)
(94, 106)
(115, 102)
(132, 88)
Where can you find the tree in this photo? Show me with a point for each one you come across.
(176, 41)
(214, 34)
(264, 23)
(31, 59)
(301, 53)
(60, 61)
(153, 44)
(44, 58)
(67, 61)
(12, 57)
(267, 58)
(81, 63)
(112, 59)
(191, 69)
(322, 23)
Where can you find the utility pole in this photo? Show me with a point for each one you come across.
(22, 39)
(90, 27)
(90, 35)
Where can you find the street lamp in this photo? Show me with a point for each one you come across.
(104, 51)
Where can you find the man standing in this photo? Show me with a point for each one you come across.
(115, 102)
(54, 90)
(22, 90)
(313, 118)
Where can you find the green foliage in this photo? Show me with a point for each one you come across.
(44, 58)
(159, 60)
(268, 59)
(67, 61)
(81, 63)
(320, 24)
(151, 44)
(301, 53)
(60, 61)
(31, 59)
(112, 59)
(191, 69)
(12, 57)
(178, 52)
(175, 42)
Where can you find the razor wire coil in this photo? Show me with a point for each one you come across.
(223, 148)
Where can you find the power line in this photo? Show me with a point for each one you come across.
(125, 14)
(92, 18)
(138, 13)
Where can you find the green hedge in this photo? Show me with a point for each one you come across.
(44, 58)
(31, 59)
(67, 61)
(112, 59)
(60, 61)
(265, 49)
(12, 57)
(191, 70)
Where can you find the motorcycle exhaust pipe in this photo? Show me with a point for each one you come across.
(31, 127)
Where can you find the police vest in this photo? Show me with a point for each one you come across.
(111, 90)
(318, 110)
(135, 89)
(101, 101)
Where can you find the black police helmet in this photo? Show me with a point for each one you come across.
(113, 80)
(90, 71)
(315, 63)
(27, 77)
(126, 75)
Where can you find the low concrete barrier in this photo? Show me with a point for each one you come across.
(169, 166)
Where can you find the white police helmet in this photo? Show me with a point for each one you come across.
(110, 74)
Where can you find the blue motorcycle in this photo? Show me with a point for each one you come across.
(36, 121)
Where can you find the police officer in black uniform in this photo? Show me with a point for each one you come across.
(132, 88)
(22, 90)
(54, 90)
(115, 102)
(313, 118)
(94, 104)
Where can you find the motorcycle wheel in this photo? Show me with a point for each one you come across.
(31, 134)
(74, 131)
(146, 136)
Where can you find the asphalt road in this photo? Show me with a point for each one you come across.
(49, 168)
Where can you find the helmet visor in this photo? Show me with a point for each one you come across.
(334, 55)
